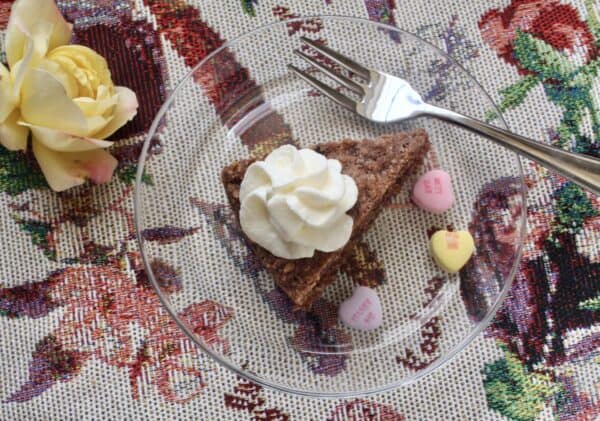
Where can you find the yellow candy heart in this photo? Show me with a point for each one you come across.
(452, 249)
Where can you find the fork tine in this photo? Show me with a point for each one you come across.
(342, 80)
(340, 59)
(324, 89)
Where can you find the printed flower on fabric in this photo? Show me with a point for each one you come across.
(4, 12)
(554, 45)
(62, 94)
(108, 308)
(559, 25)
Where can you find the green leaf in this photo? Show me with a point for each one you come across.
(586, 74)
(514, 95)
(40, 234)
(19, 173)
(248, 7)
(542, 59)
(585, 79)
(577, 101)
(593, 304)
(514, 391)
(593, 20)
(569, 126)
(128, 173)
(572, 209)
(93, 253)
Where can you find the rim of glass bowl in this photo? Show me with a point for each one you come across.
(138, 217)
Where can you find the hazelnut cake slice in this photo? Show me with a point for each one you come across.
(378, 168)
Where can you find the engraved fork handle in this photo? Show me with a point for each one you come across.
(580, 169)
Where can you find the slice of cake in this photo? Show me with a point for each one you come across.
(378, 168)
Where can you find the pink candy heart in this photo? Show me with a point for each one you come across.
(362, 311)
(433, 192)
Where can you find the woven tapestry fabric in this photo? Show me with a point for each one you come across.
(84, 336)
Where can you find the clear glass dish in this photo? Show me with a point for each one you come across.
(241, 101)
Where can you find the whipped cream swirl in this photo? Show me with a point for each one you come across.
(295, 202)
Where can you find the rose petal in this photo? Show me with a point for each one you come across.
(44, 103)
(13, 136)
(95, 107)
(66, 80)
(64, 142)
(4, 73)
(40, 38)
(125, 110)
(20, 68)
(64, 170)
(57, 168)
(97, 123)
(7, 98)
(25, 17)
(100, 165)
(83, 57)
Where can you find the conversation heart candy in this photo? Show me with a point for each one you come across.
(452, 249)
(433, 192)
(362, 311)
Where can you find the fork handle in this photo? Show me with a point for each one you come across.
(580, 169)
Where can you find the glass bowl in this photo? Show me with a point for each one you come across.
(242, 101)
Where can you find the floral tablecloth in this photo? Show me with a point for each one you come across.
(83, 336)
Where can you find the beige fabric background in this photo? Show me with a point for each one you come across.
(102, 390)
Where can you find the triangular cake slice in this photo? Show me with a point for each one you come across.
(377, 166)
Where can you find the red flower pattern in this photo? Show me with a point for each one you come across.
(5, 6)
(557, 24)
(364, 410)
(105, 309)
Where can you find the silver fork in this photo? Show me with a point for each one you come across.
(385, 99)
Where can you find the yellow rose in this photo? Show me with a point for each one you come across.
(62, 94)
